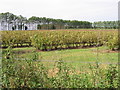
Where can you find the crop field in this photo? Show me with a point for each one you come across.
(60, 39)
(74, 58)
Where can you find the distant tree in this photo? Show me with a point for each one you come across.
(38, 26)
(53, 27)
(106, 24)
(26, 27)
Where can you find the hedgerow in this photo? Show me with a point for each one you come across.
(49, 40)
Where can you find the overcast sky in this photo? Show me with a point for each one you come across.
(83, 10)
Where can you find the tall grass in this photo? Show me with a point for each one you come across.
(31, 73)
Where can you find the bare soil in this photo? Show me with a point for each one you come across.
(22, 51)
(106, 51)
(78, 30)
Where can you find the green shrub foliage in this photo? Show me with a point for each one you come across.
(31, 73)
(53, 39)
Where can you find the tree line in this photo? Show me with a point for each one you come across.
(50, 23)
(106, 24)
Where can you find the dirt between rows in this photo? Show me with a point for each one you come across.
(95, 51)
(78, 30)
(105, 51)
(22, 51)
